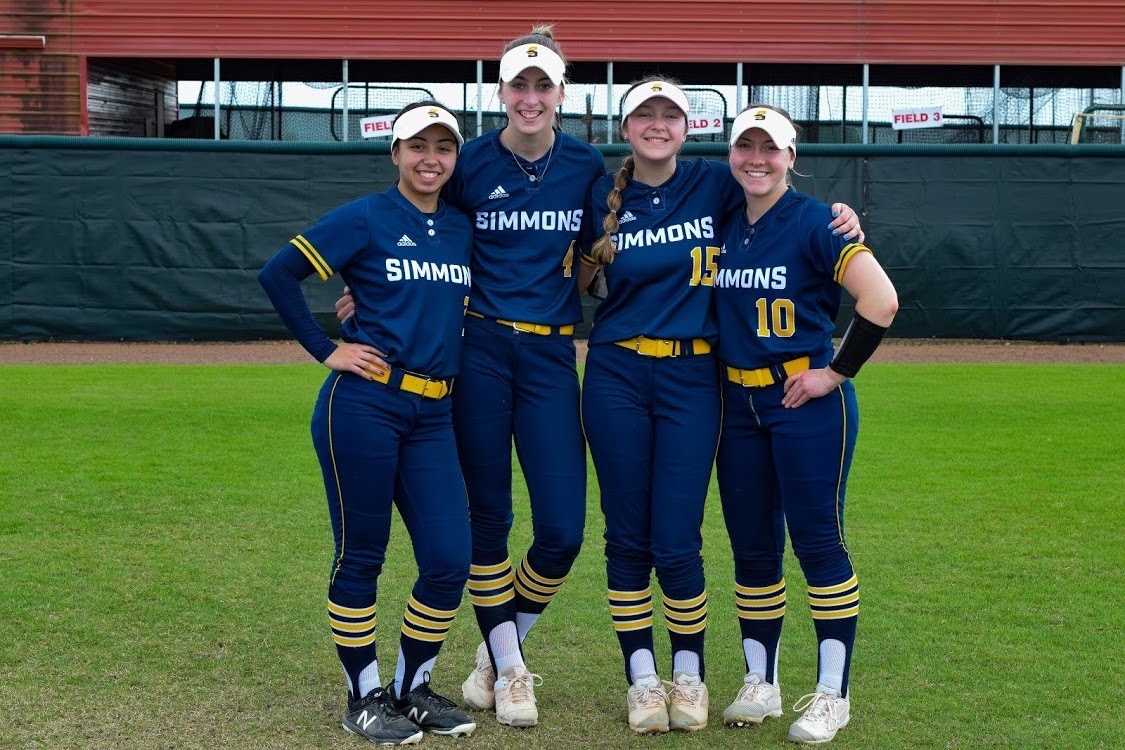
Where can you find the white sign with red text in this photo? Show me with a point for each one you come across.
(376, 127)
(916, 117)
(705, 122)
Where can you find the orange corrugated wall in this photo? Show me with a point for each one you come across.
(39, 90)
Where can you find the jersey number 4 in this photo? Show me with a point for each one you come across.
(704, 265)
(777, 319)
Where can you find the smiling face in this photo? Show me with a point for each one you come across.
(530, 99)
(760, 166)
(656, 130)
(425, 163)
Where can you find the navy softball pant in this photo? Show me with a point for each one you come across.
(522, 386)
(380, 446)
(652, 425)
(779, 467)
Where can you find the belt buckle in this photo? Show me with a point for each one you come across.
(673, 347)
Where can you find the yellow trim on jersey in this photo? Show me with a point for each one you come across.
(319, 264)
(367, 640)
(749, 591)
(822, 590)
(846, 256)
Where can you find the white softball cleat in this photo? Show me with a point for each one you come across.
(478, 687)
(824, 716)
(756, 701)
(687, 702)
(648, 706)
(514, 693)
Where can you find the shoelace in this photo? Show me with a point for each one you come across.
(820, 707)
(522, 686)
(684, 693)
(441, 700)
(753, 692)
(651, 696)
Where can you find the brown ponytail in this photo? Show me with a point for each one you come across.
(604, 249)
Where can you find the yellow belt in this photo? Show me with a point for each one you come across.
(419, 384)
(536, 328)
(665, 347)
(765, 376)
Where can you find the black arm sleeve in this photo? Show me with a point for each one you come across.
(859, 343)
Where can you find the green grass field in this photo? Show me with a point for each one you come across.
(164, 551)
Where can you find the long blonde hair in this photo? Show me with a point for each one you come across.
(604, 249)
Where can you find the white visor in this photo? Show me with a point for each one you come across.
(410, 124)
(776, 125)
(650, 90)
(519, 59)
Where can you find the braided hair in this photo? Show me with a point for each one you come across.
(604, 248)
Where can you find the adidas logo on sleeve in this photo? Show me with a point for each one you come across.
(405, 241)
(499, 192)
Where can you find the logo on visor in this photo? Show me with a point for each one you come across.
(657, 87)
(432, 112)
(533, 51)
(760, 114)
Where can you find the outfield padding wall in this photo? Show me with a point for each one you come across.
(155, 240)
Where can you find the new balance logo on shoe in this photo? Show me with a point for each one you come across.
(405, 241)
(499, 192)
(627, 216)
(417, 716)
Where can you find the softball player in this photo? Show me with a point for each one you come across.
(651, 402)
(384, 432)
(789, 416)
(525, 187)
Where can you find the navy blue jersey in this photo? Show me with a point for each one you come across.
(524, 260)
(659, 284)
(778, 288)
(409, 272)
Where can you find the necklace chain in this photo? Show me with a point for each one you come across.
(531, 175)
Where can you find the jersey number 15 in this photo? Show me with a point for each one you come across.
(704, 265)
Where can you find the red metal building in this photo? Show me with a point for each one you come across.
(87, 66)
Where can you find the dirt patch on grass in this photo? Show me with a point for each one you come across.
(288, 352)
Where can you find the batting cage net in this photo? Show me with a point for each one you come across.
(333, 111)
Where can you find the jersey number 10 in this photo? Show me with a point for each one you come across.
(777, 319)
